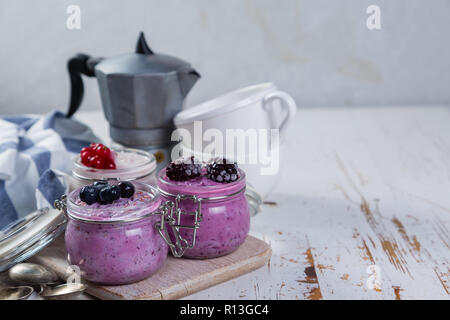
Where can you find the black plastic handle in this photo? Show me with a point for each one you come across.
(78, 65)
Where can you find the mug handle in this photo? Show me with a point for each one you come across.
(287, 103)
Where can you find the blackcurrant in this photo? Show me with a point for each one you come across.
(126, 189)
(109, 194)
(89, 194)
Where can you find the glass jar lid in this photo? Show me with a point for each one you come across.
(132, 164)
(23, 238)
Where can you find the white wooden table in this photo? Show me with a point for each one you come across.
(363, 211)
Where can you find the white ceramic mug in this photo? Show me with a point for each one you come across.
(248, 108)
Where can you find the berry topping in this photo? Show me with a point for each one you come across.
(104, 193)
(126, 189)
(183, 169)
(103, 152)
(89, 194)
(110, 164)
(97, 162)
(97, 156)
(109, 194)
(86, 155)
(222, 170)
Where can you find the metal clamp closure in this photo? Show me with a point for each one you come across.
(171, 214)
(61, 204)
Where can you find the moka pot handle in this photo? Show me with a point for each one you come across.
(78, 65)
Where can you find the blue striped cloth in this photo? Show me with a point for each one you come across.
(36, 152)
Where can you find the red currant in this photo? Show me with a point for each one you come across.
(99, 147)
(97, 162)
(85, 159)
(110, 164)
(103, 152)
(87, 149)
(98, 156)
(86, 155)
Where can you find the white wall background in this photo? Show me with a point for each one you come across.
(320, 51)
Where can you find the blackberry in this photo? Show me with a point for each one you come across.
(184, 169)
(222, 170)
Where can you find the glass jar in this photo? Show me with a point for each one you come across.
(224, 219)
(117, 243)
(161, 152)
(132, 165)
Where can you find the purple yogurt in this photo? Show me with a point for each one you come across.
(115, 243)
(226, 221)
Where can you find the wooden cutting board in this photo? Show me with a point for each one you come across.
(176, 279)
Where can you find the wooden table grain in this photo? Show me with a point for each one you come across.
(362, 210)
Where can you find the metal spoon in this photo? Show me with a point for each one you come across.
(15, 293)
(67, 291)
(31, 273)
(38, 288)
